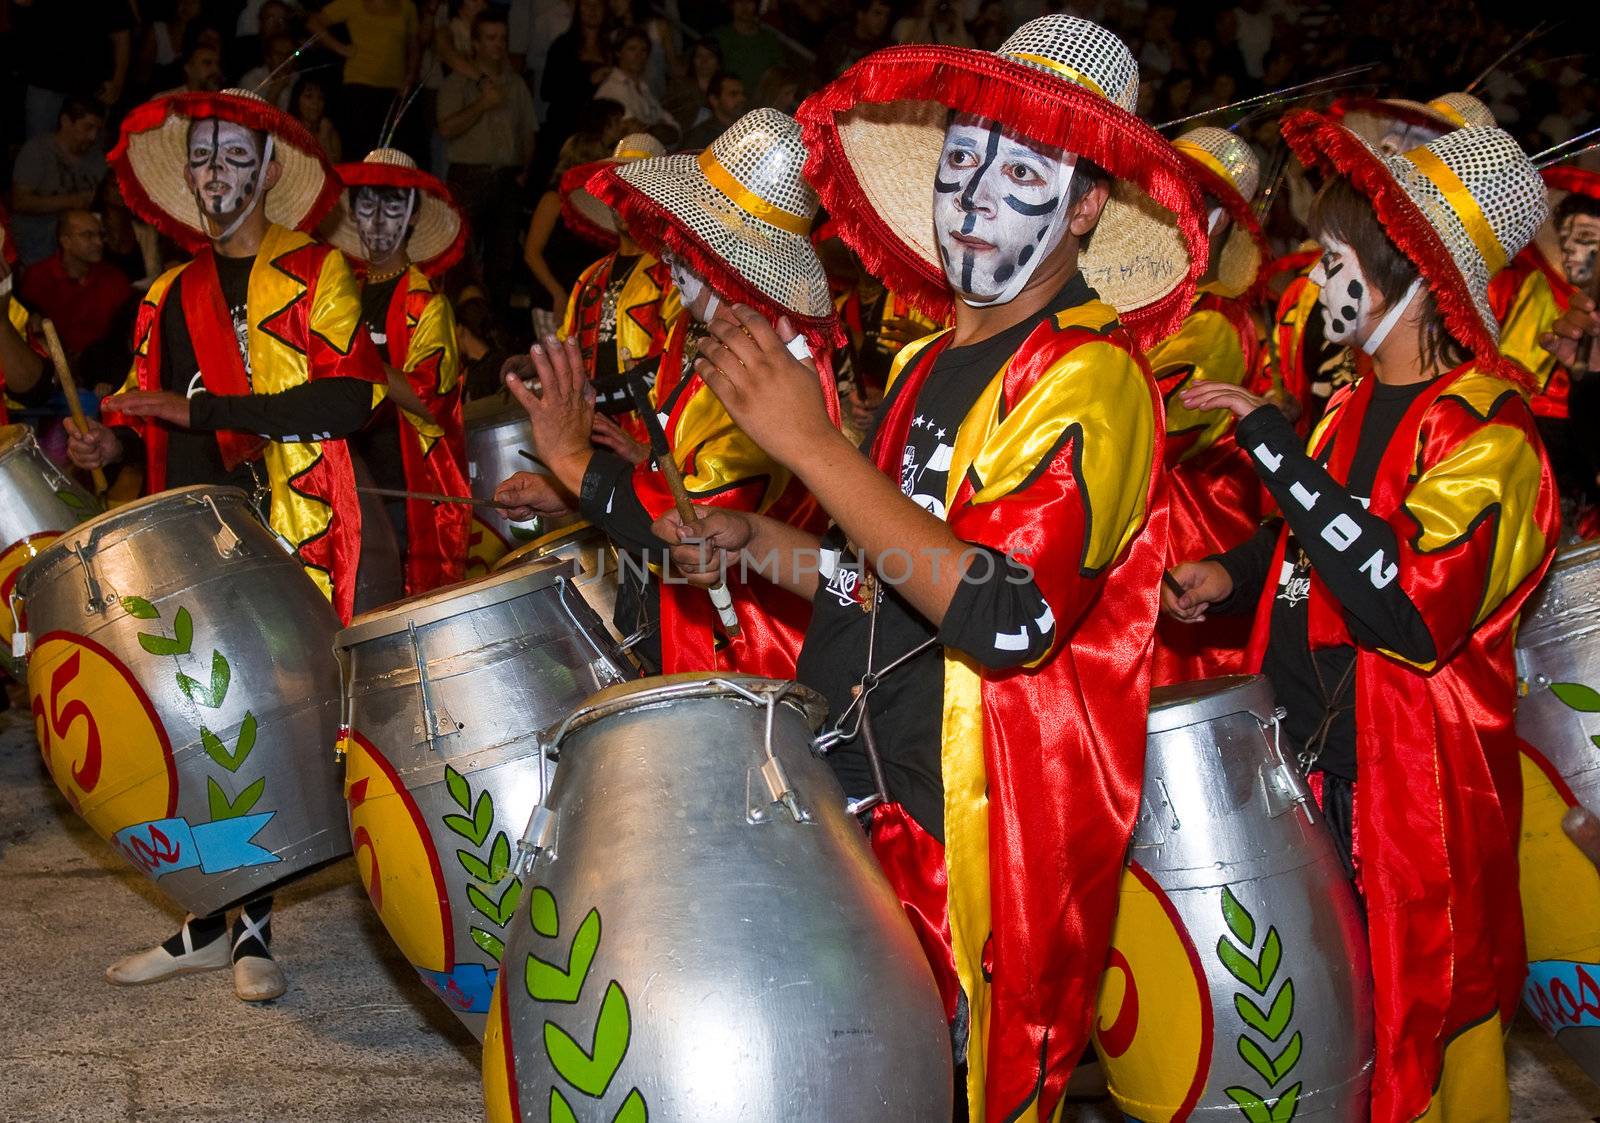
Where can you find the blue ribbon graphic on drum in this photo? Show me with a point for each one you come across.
(165, 846)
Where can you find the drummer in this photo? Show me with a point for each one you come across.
(1013, 688)
(401, 230)
(22, 355)
(732, 224)
(250, 365)
(1415, 525)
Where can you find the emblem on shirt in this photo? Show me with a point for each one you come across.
(1294, 584)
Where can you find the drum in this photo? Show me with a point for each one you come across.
(444, 695)
(1558, 662)
(706, 935)
(37, 502)
(590, 550)
(186, 695)
(1238, 979)
(498, 434)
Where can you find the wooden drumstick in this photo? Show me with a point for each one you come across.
(70, 388)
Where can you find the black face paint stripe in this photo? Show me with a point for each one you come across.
(978, 174)
(1032, 210)
(966, 271)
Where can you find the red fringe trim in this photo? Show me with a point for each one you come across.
(261, 116)
(1319, 141)
(390, 175)
(659, 231)
(577, 179)
(1041, 107)
(1405, 114)
(1565, 177)
(1240, 211)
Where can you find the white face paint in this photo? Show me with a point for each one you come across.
(226, 172)
(999, 209)
(382, 215)
(1580, 241)
(1346, 295)
(697, 297)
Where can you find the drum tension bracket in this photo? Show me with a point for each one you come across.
(769, 774)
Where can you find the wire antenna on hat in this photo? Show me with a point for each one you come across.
(1276, 172)
(277, 70)
(1273, 107)
(1539, 29)
(1257, 99)
(1550, 155)
(392, 126)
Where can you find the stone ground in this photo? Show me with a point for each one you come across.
(356, 1039)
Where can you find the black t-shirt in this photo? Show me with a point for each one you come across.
(995, 601)
(378, 442)
(605, 357)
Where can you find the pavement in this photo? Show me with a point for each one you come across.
(357, 1039)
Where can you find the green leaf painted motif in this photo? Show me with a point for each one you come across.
(1257, 975)
(218, 751)
(499, 857)
(224, 808)
(493, 946)
(139, 608)
(542, 913)
(1272, 1069)
(1258, 971)
(477, 827)
(475, 866)
(1272, 1023)
(1240, 922)
(591, 1069)
(547, 982)
(500, 911)
(72, 499)
(1584, 699)
(211, 698)
(460, 791)
(1257, 1110)
(179, 643)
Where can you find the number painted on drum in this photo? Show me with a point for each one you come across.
(81, 694)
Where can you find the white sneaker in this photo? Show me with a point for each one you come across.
(157, 963)
(256, 979)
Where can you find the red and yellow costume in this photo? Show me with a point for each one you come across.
(646, 305)
(305, 319)
(16, 313)
(1528, 296)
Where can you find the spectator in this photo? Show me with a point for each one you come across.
(725, 100)
(936, 21)
(749, 47)
(488, 126)
(74, 286)
(162, 42)
(686, 100)
(202, 69)
(989, 27)
(554, 254)
(53, 173)
(274, 66)
(663, 42)
(454, 44)
(534, 26)
(482, 350)
(578, 62)
(868, 32)
(1161, 52)
(309, 104)
(780, 90)
(70, 48)
(132, 245)
(244, 50)
(627, 85)
(808, 22)
(379, 60)
(1255, 31)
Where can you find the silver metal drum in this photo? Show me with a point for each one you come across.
(1558, 662)
(37, 502)
(498, 434)
(706, 935)
(1238, 973)
(591, 551)
(183, 676)
(445, 695)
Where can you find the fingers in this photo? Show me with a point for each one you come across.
(519, 390)
(729, 347)
(760, 332)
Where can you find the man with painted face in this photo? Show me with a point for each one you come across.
(250, 368)
(1414, 526)
(403, 229)
(730, 224)
(990, 579)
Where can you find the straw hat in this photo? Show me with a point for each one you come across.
(1459, 207)
(438, 232)
(1443, 114)
(876, 134)
(1230, 172)
(153, 152)
(583, 213)
(739, 214)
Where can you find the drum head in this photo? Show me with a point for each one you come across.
(454, 600)
(14, 438)
(497, 409)
(581, 538)
(1190, 703)
(664, 689)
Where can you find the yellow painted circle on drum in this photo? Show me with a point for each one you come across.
(1560, 888)
(499, 1069)
(396, 858)
(17, 555)
(1153, 1026)
(484, 548)
(100, 737)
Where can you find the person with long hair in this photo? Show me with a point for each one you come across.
(554, 254)
(579, 60)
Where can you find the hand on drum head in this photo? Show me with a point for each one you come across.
(703, 551)
(533, 495)
(561, 413)
(1583, 828)
(163, 405)
(94, 449)
(1204, 584)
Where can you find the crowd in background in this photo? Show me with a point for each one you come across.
(500, 98)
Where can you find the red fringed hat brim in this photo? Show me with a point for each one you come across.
(659, 232)
(574, 181)
(1244, 219)
(1320, 142)
(1413, 114)
(1034, 104)
(433, 262)
(304, 194)
(1579, 181)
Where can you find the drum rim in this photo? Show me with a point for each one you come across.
(1250, 694)
(454, 600)
(497, 408)
(89, 532)
(14, 438)
(546, 544)
(655, 690)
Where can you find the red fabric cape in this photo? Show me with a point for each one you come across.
(1438, 802)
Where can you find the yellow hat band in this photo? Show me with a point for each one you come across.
(631, 154)
(1463, 204)
(1071, 74)
(1209, 162)
(1448, 112)
(748, 201)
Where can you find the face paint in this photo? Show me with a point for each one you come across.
(999, 209)
(697, 296)
(1580, 241)
(1346, 296)
(227, 168)
(381, 216)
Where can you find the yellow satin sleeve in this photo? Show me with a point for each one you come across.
(1207, 344)
(1530, 316)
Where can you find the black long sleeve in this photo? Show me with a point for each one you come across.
(998, 616)
(1247, 564)
(1354, 552)
(319, 410)
(607, 500)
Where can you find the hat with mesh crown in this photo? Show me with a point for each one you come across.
(1230, 172)
(1372, 117)
(875, 135)
(152, 155)
(1459, 207)
(438, 232)
(739, 214)
(587, 216)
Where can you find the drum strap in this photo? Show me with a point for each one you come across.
(1332, 705)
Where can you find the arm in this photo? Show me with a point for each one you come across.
(455, 121)
(323, 409)
(321, 22)
(539, 230)
(21, 367)
(121, 52)
(445, 47)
